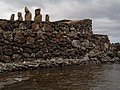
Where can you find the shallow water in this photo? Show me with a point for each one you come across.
(100, 77)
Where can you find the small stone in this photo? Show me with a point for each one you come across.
(30, 40)
(21, 49)
(86, 58)
(39, 54)
(26, 55)
(85, 43)
(105, 59)
(76, 43)
(15, 48)
(33, 55)
(1, 50)
(16, 25)
(35, 50)
(28, 25)
(35, 27)
(83, 48)
(47, 28)
(71, 34)
(22, 26)
(27, 50)
(94, 61)
(8, 35)
(5, 59)
(16, 57)
(116, 59)
(8, 27)
(118, 54)
(8, 52)
(2, 24)
(72, 29)
(1, 34)
(19, 37)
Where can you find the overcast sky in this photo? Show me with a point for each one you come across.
(104, 13)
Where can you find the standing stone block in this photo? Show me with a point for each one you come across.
(20, 18)
(28, 15)
(38, 16)
(47, 18)
(12, 17)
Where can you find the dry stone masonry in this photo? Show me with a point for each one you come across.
(21, 40)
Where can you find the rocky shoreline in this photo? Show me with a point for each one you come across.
(90, 58)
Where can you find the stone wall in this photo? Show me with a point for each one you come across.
(28, 40)
(115, 46)
(102, 42)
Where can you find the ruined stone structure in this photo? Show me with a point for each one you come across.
(20, 18)
(38, 16)
(47, 18)
(28, 15)
(61, 39)
(12, 17)
(101, 41)
(115, 46)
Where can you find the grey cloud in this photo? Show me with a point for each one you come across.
(104, 13)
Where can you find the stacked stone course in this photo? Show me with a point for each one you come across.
(67, 39)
